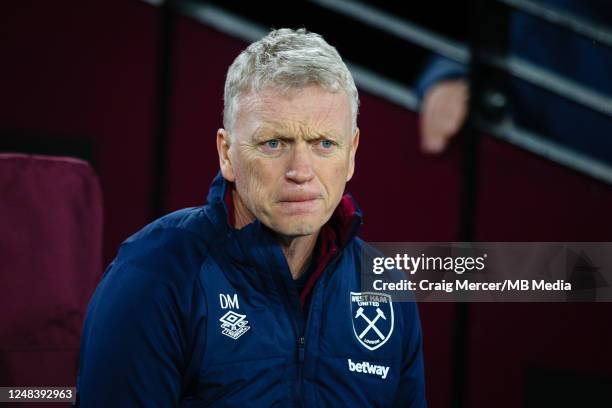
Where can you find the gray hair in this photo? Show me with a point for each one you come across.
(287, 59)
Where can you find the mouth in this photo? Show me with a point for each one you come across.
(297, 198)
(299, 204)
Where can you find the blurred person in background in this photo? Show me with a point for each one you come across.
(444, 91)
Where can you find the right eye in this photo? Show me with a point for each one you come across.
(272, 146)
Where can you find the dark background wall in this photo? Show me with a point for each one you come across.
(83, 78)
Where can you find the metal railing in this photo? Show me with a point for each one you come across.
(589, 29)
(513, 65)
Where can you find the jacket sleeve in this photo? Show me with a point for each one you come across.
(137, 347)
(411, 389)
(437, 69)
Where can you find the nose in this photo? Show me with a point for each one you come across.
(300, 168)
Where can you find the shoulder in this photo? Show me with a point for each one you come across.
(366, 250)
(187, 221)
(168, 251)
(155, 278)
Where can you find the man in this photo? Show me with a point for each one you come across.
(254, 299)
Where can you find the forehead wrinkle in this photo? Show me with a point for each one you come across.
(314, 134)
(262, 105)
(301, 130)
(290, 128)
(254, 103)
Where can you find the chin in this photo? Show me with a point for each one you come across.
(298, 229)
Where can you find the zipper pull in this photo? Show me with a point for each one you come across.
(301, 343)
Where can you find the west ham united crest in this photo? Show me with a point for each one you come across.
(372, 315)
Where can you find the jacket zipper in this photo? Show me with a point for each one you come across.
(301, 354)
(297, 327)
(301, 336)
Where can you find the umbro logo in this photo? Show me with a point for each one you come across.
(234, 324)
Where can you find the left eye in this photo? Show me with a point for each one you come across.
(273, 144)
(327, 144)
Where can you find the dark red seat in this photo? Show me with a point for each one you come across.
(50, 262)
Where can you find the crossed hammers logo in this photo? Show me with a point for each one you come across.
(371, 323)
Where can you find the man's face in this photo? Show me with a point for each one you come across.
(290, 156)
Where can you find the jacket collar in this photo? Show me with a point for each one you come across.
(255, 243)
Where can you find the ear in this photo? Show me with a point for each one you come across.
(353, 150)
(223, 147)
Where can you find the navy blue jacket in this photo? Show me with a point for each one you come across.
(193, 312)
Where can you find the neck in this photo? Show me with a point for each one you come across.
(297, 250)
